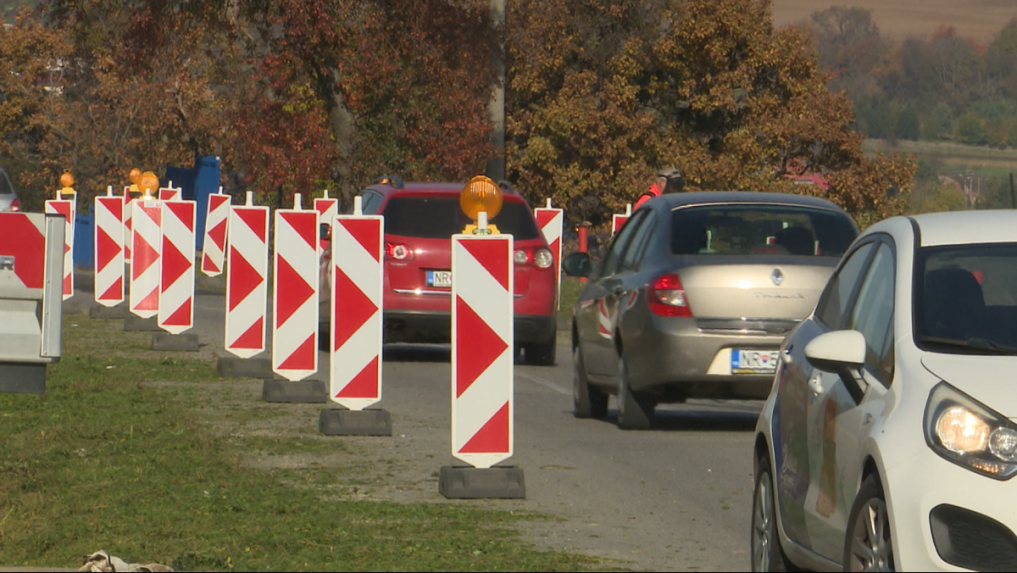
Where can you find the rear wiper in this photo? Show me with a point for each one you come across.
(975, 343)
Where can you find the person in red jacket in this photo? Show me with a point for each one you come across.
(668, 180)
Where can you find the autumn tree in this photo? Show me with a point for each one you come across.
(31, 69)
(601, 95)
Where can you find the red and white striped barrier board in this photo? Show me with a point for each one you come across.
(170, 193)
(482, 349)
(358, 246)
(551, 222)
(295, 299)
(176, 283)
(247, 287)
(146, 246)
(109, 249)
(68, 209)
(23, 247)
(128, 227)
(327, 208)
(213, 252)
(617, 221)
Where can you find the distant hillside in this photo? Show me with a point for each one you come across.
(8, 8)
(977, 19)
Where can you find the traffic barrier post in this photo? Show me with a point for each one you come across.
(551, 222)
(246, 287)
(295, 308)
(213, 250)
(146, 246)
(355, 366)
(109, 249)
(176, 281)
(170, 193)
(66, 208)
(617, 221)
(482, 368)
(327, 208)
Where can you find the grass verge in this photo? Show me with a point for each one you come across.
(125, 452)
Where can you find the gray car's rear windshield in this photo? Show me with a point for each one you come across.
(441, 217)
(760, 229)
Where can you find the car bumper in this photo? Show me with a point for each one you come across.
(436, 327)
(948, 518)
(676, 358)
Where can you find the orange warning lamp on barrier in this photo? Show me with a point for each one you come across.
(135, 178)
(148, 183)
(480, 194)
(67, 182)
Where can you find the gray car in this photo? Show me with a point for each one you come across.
(694, 295)
(8, 198)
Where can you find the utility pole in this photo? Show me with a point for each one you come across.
(496, 109)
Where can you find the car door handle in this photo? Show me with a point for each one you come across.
(816, 385)
(786, 355)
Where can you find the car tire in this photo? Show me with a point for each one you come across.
(867, 544)
(542, 353)
(764, 541)
(635, 411)
(588, 401)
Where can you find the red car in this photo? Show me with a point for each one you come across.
(420, 219)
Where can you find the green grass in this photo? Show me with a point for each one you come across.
(105, 460)
(570, 289)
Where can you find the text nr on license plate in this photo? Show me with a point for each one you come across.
(439, 279)
(754, 361)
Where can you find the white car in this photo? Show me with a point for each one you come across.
(889, 439)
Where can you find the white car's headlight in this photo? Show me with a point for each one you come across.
(966, 432)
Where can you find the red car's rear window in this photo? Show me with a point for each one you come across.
(441, 217)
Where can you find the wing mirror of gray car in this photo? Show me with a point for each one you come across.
(324, 231)
(577, 264)
(840, 352)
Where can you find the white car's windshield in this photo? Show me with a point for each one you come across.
(966, 299)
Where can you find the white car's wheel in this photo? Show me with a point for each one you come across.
(868, 546)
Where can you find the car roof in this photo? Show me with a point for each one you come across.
(447, 188)
(676, 200)
(967, 227)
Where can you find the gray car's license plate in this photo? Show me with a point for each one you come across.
(754, 361)
(439, 279)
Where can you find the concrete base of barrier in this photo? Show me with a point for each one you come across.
(100, 311)
(20, 378)
(302, 391)
(233, 367)
(343, 422)
(175, 342)
(136, 323)
(465, 482)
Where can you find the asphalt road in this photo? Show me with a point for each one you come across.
(673, 498)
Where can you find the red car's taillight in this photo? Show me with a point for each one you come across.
(540, 258)
(398, 251)
(666, 297)
(16, 205)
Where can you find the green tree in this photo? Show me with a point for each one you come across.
(907, 125)
(970, 129)
(939, 123)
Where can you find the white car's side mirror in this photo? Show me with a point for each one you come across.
(834, 351)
